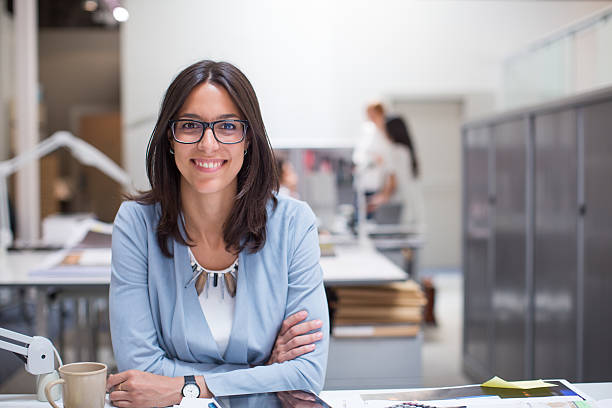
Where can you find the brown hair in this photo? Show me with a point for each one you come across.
(257, 179)
(376, 107)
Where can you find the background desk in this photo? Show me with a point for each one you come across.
(353, 362)
(374, 361)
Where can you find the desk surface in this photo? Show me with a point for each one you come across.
(15, 270)
(352, 264)
(597, 391)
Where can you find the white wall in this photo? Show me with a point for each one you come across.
(315, 64)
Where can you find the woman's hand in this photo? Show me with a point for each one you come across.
(292, 341)
(376, 201)
(134, 388)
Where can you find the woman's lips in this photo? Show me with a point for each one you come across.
(209, 165)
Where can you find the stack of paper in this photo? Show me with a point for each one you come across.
(392, 310)
(89, 254)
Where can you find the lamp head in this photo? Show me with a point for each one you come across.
(41, 359)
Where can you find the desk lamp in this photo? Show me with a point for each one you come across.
(81, 150)
(38, 355)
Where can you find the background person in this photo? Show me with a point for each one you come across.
(288, 178)
(401, 168)
(212, 276)
(370, 154)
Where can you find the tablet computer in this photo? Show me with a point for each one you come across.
(285, 399)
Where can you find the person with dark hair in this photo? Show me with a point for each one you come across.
(213, 275)
(401, 170)
(397, 131)
(287, 178)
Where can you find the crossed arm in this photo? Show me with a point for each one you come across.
(156, 379)
(135, 388)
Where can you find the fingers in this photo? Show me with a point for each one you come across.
(122, 404)
(301, 328)
(295, 352)
(120, 399)
(290, 321)
(305, 339)
(115, 379)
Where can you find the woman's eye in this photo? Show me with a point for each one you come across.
(190, 125)
(228, 126)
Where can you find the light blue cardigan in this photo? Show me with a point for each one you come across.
(157, 324)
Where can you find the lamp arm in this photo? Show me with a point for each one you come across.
(38, 353)
(81, 150)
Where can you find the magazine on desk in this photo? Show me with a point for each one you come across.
(88, 253)
(562, 395)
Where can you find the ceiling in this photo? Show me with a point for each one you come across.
(70, 13)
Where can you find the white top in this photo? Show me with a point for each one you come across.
(407, 192)
(218, 307)
(370, 156)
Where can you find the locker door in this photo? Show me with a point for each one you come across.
(509, 288)
(555, 245)
(477, 322)
(597, 134)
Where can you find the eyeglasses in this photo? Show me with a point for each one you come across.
(227, 131)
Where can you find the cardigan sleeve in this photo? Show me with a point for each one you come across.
(305, 292)
(136, 344)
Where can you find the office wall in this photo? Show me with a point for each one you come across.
(79, 69)
(435, 128)
(573, 60)
(7, 75)
(314, 65)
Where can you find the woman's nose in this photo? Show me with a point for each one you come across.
(208, 141)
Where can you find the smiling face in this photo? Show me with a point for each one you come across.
(208, 167)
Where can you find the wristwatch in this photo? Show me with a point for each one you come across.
(191, 389)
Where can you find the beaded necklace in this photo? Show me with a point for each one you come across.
(204, 276)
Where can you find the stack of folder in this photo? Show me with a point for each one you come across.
(392, 310)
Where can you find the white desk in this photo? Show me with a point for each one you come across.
(14, 273)
(597, 391)
(29, 401)
(359, 265)
(352, 264)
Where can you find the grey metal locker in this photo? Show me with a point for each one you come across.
(509, 300)
(555, 245)
(477, 232)
(597, 279)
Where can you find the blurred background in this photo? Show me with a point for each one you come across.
(499, 98)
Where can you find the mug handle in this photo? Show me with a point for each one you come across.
(48, 391)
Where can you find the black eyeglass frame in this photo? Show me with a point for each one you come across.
(206, 125)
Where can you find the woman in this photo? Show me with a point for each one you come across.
(401, 171)
(213, 276)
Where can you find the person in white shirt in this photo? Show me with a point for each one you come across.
(401, 171)
(370, 154)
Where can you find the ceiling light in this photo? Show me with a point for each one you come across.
(121, 14)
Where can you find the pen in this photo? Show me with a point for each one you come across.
(212, 405)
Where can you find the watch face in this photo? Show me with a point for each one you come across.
(191, 391)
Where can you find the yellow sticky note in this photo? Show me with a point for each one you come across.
(497, 382)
